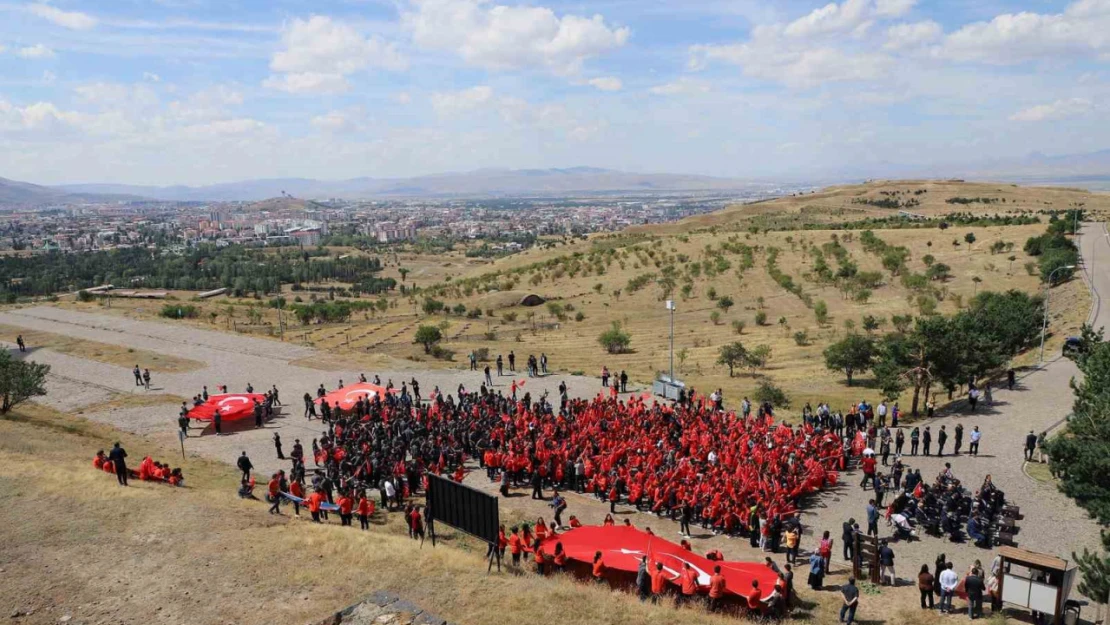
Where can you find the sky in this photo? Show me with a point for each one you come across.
(205, 91)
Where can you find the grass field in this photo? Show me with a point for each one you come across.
(741, 253)
(78, 545)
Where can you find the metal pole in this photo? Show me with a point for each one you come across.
(672, 343)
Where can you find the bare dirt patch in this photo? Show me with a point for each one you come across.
(102, 352)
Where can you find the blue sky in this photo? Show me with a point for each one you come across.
(204, 91)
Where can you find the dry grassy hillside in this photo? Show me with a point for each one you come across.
(741, 253)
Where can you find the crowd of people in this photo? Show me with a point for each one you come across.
(150, 470)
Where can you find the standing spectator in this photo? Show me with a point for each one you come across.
(217, 423)
(19, 342)
(512, 361)
(1011, 378)
(925, 586)
(942, 438)
(146, 379)
(244, 464)
(899, 442)
(277, 445)
(119, 463)
(926, 441)
(973, 446)
(792, 538)
(959, 442)
(1042, 438)
(915, 436)
(138, 375)
(886, 563)
(974, 587)
(489, 380)
(948, 582)
(1030, 445)
(872, 518)
(851, 601)
(987, 395)
(624, 382)
(973, 398)
(847, 534)
(816, 571)
(543, 363)
(473, 360)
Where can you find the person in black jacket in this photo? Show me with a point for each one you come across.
(847, 534)
(974, 587)
(117, 456)
(244, 464)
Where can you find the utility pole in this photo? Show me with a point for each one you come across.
(671, 307)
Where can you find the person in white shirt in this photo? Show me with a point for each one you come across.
(948, 582)
(881, 411)
(975, 436)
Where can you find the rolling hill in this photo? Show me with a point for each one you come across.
(24, 194)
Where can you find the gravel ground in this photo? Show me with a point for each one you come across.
(1052, 523)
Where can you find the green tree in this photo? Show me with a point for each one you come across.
(725, 303)
(732, 355)
(757, 358)
(428, 336)
(615, 340)
(761, 318)
(855, 353)
(738, 326)
(821, 312)
(432, 306)
(970, 239)
(20, 380)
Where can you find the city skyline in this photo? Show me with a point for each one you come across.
(196, 92)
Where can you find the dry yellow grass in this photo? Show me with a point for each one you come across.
(102, 352)
(799, 369)
(77, 544)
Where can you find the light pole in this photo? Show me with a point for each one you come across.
(671, 307)
(1047, 296)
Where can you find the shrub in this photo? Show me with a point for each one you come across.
(801, 338)
(442, 353)
(768, 392)
(738, 326)
(761, 318)
(482, 354)
(509, 317)
(428, 336)
(179, 311)
(580, 316)
(85, 296)
(715, 317)
(821, 312)
(615, 340)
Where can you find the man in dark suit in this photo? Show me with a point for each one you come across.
(118, 456)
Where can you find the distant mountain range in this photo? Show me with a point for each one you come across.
(1090, 170)
(483, 183)
(15, 193)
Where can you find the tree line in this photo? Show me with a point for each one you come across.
(938, 352)
(204, 267)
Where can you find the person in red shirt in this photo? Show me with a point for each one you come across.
(689, 579)
(609, 522)
(560, 558)
(685, 544)
(297, 491)
(541, 529)
(658, 582)
(574, 522)
(755, 599)
(417, 524)
(98, 461)
(515, 546)
(346, 504)
(313, 502)
(273, 494)
(538, 556)
(502, 541)
(599, 569)
(716, 589)
(365, 511)
(868, 466)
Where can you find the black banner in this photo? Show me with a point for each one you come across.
(464, 508)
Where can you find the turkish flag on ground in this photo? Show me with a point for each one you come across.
(231, 407)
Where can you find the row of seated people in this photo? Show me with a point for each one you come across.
(149, 470)
(946, 508)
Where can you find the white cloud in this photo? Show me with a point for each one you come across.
(2, 48)
(511, 37)
(1083, 29)
(454, 102)
(109, 95)
(1060, 109)
(813, 49)
(403, 97)
(48, 77)
(37, 51)
(319, 54)
(332, 121)
(74, 20)
(151, 77)
(607, 83)
(913, 35)
(682, 86)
